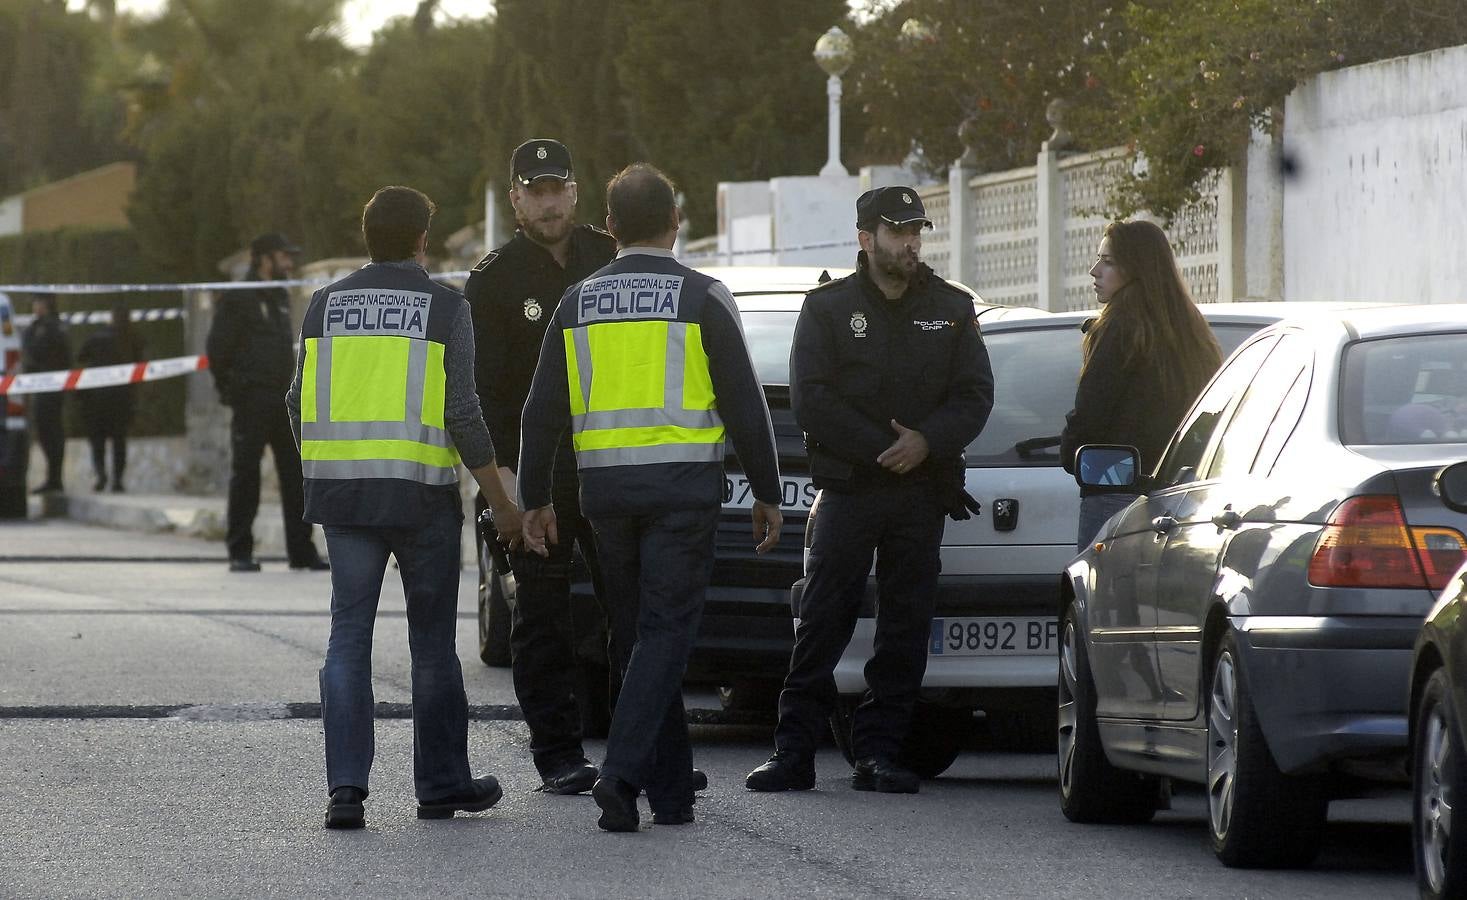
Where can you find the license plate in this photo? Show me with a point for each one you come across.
(795, 493)
(993, 636)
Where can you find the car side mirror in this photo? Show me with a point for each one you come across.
(1107, 468)
(1451, 484)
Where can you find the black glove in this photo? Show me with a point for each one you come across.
(962, 506)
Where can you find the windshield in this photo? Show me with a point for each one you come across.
(1405, 390)
(770, 334)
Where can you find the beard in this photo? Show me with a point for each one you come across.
(548, 231)
(899, 266)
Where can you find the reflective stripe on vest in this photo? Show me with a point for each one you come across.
(640, 393)
(372, 407)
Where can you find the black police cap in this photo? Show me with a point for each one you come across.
(540, 158)
(271, 241)
(896, 205)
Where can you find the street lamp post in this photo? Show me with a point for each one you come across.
(833, 52)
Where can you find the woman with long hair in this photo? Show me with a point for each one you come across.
(1146, 357)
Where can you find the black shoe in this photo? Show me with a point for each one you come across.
(117, 487)
(483, 793)
(575, 778)
(681, 816)
(699, 782)
(344, 809)
(244, 564)
(785, 771)
(887, 778)
(50, 487)
(618, 802)
(316, 565)
(100, 484)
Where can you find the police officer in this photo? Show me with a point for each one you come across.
(890, 381)
(383, 407)
(250, 357)
(512, 294)
(646, 363)
(43, 348)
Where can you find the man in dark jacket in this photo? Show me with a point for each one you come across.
(252, 358)
(43, 348)
(890, 381)
(646, 363)
(512, 294)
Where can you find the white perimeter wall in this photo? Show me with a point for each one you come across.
(1377, 209)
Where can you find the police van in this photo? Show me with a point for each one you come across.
(14, 438)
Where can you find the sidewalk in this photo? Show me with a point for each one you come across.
(203, 518)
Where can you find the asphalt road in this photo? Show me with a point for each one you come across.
(157, 738)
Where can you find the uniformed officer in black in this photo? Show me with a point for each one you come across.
(251, 356)
(512, 295)
(890, 381)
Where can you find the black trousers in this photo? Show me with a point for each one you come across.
(656, 569)
(260, 421)
(542, 638)
(107, 415)
(50, 433)
(902, 525)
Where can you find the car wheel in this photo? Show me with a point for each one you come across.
(1258, 816)
(493, 612)
(1439, 784)
(933, 741)
(936, 737)
(1091, 789)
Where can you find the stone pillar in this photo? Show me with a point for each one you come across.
(1260, 226)
(1050, 199)
(962, 222)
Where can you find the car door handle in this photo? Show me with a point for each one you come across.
(1163, 524)
(1227, 519)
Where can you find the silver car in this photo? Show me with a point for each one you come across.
(1248, 623)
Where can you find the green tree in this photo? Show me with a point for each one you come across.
(924, 67)
(728, 94)
(1209, 71)
(52, 124)
(247, 123)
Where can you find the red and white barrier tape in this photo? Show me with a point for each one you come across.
(101, 376)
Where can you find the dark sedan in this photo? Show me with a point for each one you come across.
(1248, 623)
(1439, 725)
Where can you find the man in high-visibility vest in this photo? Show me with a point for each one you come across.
(383, 408)
(646, 363)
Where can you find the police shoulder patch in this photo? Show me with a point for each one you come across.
(487, 261)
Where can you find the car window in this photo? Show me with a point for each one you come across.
(1035, 371)
(1231, 335)
(769, 334)
(1405, 390)
(1283, 423)
(1241, 439)
(1182, 458)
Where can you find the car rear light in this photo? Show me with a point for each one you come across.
(1367, 544)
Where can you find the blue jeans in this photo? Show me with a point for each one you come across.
(428, 558)
(1094, 511)
(656, 570)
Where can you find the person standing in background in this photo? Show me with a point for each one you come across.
(107, 412)
(251, 358)
(43, 348)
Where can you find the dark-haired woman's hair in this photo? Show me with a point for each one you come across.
(1153, 313)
